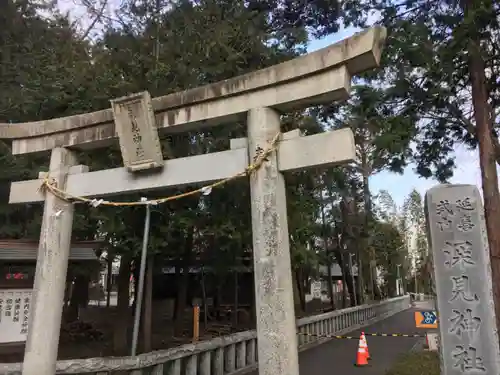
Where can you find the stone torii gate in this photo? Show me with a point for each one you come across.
(135, 121)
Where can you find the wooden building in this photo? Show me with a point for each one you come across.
(17, 273)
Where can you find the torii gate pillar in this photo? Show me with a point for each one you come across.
(276, 332)
(51, 268)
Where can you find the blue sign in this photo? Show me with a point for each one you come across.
(426, 319)
(429, 317)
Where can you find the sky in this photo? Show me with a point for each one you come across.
(399, 186)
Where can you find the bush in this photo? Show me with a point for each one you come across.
(79, 331)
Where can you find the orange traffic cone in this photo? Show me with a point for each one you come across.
(361, 357)
(368, 356)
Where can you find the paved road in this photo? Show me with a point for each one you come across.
(337, 357)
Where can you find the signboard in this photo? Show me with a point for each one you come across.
(14, 314)
(426, 319)
(136, 128)
(316, 289)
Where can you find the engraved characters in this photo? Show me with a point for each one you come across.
(458, 213)
(467, 360)
(461, 289)
(459, 254)
(464, 322)
(459, 257)
(136, 137)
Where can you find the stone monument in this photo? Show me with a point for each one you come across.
(457, 237)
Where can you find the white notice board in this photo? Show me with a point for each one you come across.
(14, 314)
(316, 289)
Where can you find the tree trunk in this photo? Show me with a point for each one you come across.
(236, 304)
(236, 263)
(204, 297)
(487, 158)
(122, 320)
(328, 257)
(177, 278)
(330, 285)
(347, 275)
(339, 255)
(349, 210)
(296, 294)
(109, 278)
(72, 311)
(300, 286)
(181, 302)
(182, 291)
(372, 265)
(218, 297)
(344, 283)
(366, 227)
(147, 314)
(67, 296)
(79, 297)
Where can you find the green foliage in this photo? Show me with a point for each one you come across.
(382, 139)
(389, 247)
(413, 212)
(382, 134)
(43, 70)
(386, 208)
(48, 70)
(409, 221)
(425, 72)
